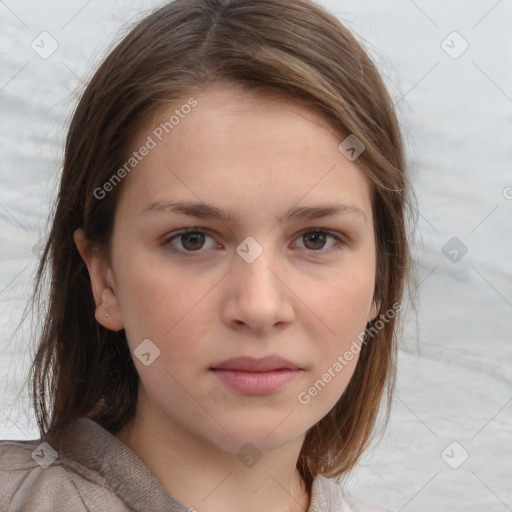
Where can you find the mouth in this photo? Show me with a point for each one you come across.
(255, 377)
(256, 383)
(252, 364)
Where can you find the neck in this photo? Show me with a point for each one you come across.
(202, 477)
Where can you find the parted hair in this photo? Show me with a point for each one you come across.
(294, 48)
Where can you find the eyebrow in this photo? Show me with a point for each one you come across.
(208, 211)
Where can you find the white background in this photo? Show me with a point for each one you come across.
(455, 376)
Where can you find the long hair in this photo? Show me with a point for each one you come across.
(289, 47)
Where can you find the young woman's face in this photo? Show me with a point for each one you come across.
(254, 284)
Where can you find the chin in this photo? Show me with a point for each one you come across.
(266, 436)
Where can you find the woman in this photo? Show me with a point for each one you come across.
(228, 256)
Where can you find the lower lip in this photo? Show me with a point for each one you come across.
(256, 383)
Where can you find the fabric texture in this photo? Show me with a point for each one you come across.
(87, 469)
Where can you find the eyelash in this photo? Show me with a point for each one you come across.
(185, 253)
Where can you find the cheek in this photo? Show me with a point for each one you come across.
(176, 318)
(343, 311)
(162, 304)
(343, 303)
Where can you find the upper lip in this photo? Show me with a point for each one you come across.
(253, 364)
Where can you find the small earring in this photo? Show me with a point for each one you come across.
(107, 314)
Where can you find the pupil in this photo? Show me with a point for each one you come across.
(318, 236)
(193, 235)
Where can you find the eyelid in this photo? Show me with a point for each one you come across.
(176, 234)
(340, 239)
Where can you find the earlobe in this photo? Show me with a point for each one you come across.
(374, 310)
(107, 312)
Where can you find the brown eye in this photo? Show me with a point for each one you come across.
(191, 241)
(316, 239)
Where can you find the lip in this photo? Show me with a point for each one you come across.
(253, 364)
(256, 383)
(256, 376)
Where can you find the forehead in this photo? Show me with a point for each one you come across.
(241, 112)
(237, 145)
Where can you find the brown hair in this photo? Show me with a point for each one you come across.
(290, 47)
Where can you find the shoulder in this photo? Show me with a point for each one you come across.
(34, 478)
(330, 496)
(30, 481)
(82, 468)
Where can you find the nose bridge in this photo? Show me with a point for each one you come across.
(258, 295)
(256, 265)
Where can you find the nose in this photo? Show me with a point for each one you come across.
(258, 294)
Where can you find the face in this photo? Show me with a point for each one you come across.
(255, 283)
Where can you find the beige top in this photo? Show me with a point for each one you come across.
(87, 469)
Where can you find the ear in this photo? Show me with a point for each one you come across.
(374, 310)
(108, 312)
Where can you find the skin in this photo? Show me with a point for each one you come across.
(301, 299)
